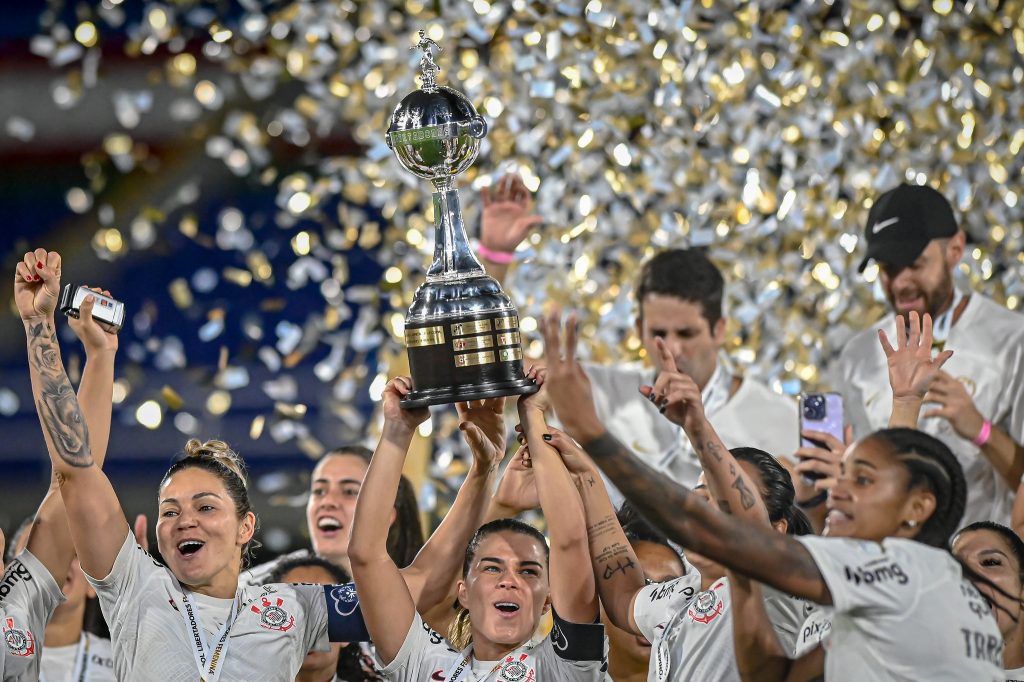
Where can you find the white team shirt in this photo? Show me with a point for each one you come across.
(988, 341)
(691, 631)
(816, 630)
(904, 611)
(260, 574)
(276, 625)
(28, 597)
(570, 653)
(754, 416)
(1016, 675)
(90, 660)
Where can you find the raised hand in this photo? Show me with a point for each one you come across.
(955, 405)
(483, 426)
(92, 336)
(394, 415)
(676, 395)
(576, 461)
(912, 369)
(539, 400)
(568, 385)
(507, 214)
(517, 490)
(37, 284)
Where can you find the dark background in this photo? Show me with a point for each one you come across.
(35, 176)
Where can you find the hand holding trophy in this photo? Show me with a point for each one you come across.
(462, 330)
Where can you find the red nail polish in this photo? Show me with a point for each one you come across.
(39, 264)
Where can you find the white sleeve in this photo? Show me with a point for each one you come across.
(654, 605)
(1013, 424)
(131, 564)
(419, 642)
(28, 597)
(864, 577)
(315, 605)
(787, 615)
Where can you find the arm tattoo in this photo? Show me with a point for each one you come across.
(711, 447)
(760, 553)
(746, 497)
(57, 405)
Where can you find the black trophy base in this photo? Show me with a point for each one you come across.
(460, 394)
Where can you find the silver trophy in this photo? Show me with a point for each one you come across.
(462, 331)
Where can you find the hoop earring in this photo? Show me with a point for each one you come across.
(910, 524)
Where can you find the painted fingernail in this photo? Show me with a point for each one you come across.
(39, 264)
(547, 436)
(662, 409)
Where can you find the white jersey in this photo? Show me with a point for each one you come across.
(259, 575)
(1016, 675)
(754, 416)
(570, 653)
(691, 631)
(28, 597)
(90, 660)
(815, 631)
(275, 626)
(988, 345)
(904, 611)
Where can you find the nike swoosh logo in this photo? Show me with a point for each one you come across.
(884, 224)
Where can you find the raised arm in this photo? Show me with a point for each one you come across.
(434, 572)
(91, 514)
(387, 605)
(573, 594)
(679, 399)
(755, 550)
(617, 571)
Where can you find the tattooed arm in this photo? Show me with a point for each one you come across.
(94, 517)
(617, 571)
(679, 399)
(757, 551)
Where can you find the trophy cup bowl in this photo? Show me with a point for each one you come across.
(462, 330)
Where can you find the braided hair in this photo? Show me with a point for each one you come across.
(934, 467)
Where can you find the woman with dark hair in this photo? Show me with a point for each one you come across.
(902, 608)
(193, 617)
(505, 586)
(996, 554)
(333, 490)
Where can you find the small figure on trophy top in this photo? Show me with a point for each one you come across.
(427, 64)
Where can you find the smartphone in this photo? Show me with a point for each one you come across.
(820, 412)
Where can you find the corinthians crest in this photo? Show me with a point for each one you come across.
(19, 642)
(273, 617)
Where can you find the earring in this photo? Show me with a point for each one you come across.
(910, 524)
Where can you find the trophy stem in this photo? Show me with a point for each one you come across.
(453, 259)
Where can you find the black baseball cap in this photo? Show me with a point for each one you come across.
(902, 222)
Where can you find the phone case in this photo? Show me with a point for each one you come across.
(821, 412)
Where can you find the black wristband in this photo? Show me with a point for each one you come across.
(815, 501)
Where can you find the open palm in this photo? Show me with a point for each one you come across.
(912, 369)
